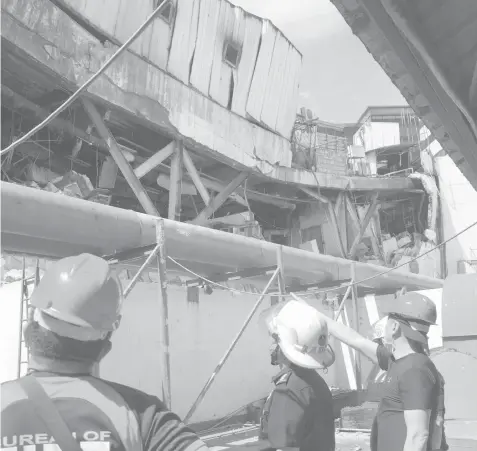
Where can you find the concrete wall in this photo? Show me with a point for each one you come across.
(458, 207)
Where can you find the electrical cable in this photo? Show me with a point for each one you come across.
(354, 283)
(83, 87)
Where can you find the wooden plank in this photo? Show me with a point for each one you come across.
(155, 160)
(243, 75)
(364, 225)
(204, 48)
(130, 17)
(161, 36)
(194, 175)
(119, 158)
(176, 182)
(183, 40)
(274, 85)
(289, 97)
(262, 68)
(221, 73)
(218, 200)
(315, 195)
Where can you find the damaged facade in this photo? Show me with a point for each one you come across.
(197, 123)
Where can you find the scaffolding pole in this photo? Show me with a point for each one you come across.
(219, 366)
(164, 312)
(357, 355)
(158, 253)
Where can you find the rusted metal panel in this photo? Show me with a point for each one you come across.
(131, 16)
(183, 40)
(248, 57)
(262, 68)
(209, 12)
(60, 45)
(289, 94)
(274, 86)
(161, 36)
(228, 29)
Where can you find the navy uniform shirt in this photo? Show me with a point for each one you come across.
(412, 383)
(102, 416)
(301, 412)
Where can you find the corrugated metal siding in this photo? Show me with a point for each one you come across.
(264, 85)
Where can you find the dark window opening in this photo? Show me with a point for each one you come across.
(167, 11)
(231, 54)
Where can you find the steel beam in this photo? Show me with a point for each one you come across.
(364, 225)
(314, 194)
(219, 200)
(155, 160)
(175, 190)
(119, 158)
(334, 222)
(194, 175)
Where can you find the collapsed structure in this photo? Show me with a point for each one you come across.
(196, 123)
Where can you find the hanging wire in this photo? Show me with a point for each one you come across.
(85, 85)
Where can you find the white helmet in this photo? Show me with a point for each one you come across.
(301, 332)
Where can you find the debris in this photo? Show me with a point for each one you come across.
(83, 183)
(40, 175)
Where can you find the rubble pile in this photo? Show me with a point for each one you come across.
(71, 184)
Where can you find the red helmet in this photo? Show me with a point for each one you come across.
(415, 306)
(82, 291)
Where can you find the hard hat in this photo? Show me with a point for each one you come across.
(416, 313)
(302, 334)
(79, 291)
(414, 306)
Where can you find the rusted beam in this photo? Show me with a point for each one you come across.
(334, 222)
(175, 190)
(119, 158)
(339, 203)
(314, 194)
(194, 175)
(155, 160)
(218, 200)
(364, 225)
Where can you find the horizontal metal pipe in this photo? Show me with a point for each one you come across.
(51, 225)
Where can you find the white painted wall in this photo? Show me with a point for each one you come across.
(458, 210)
(373, 135)
(458, 201)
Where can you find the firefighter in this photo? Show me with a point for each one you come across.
(299, 411)
(76, 309)
(408, 412)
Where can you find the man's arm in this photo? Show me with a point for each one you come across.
(417, 388)
(352, 338)
(417, 424)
